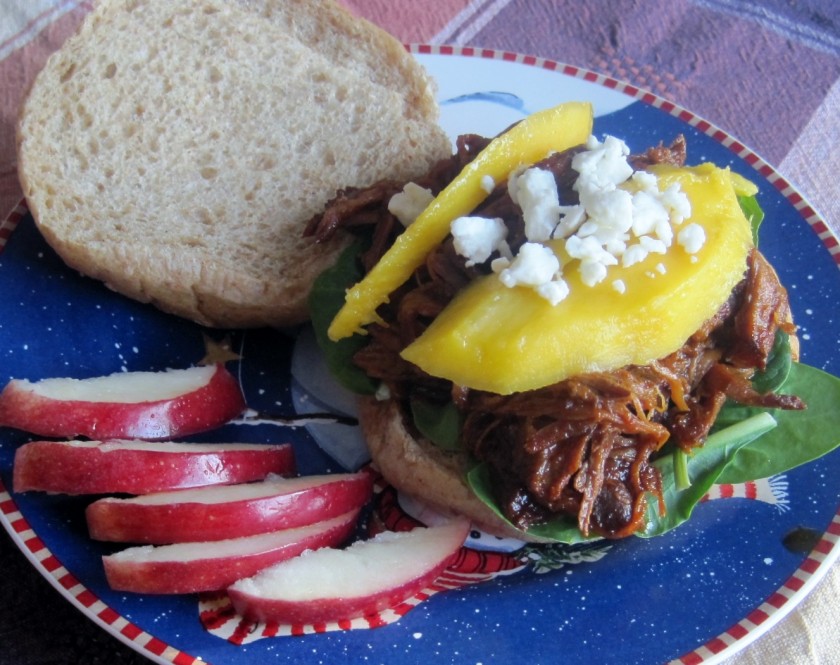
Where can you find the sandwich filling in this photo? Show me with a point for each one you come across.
(582, 446)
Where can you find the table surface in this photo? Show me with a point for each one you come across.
(767, 72)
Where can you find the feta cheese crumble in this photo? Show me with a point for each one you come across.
(692, 238)
(536, 194)
(602, 166)
(535, 265)
(476, 238)
(622, 218)
(407, 205)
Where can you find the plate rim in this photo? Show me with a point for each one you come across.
(83, 599)
(758, 622)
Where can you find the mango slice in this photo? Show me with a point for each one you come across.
(555, 129)
(507, 340)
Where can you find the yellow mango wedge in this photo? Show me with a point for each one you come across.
(507, 340)
(555, 129)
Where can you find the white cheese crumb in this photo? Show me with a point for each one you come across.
(692, 238)
(513, 176)
(407, 205)
(677, 203)
(633, 254)
(534, 265)
(645, 181)
(602, 165)
(622, 218)
(592, 272)
(499, 264)
(589, 249)
(488, 184)
(571, 219)
(648, 213)
(554, 291)
(609, 212)
(664, 232)
(476, 238)
(536, 194)
(652, 245)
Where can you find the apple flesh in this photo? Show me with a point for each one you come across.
(140, 467)
(208, 566)
(221, 512)
(128, 405)
(367, 577)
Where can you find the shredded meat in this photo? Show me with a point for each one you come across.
(673, 154)
(583, 446)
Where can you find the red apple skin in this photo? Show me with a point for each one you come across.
(206, 572)
(205, 408)
(263, 609)
(124, 467)
(126, 520)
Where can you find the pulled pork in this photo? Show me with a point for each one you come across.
(584, 446)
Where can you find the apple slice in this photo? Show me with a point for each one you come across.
(127, 405)
(202, 566)
(140, 467)
(232, 511)
(332, 585)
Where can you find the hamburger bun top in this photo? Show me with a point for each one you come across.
(175, 149)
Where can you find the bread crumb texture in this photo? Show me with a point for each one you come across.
(176, 148)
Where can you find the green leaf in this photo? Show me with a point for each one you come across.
(747, 444)
(440, 424)
(753, 212)
(704, 467)
(682, 479)
(561, 529)
(773, 377)
(325, 299)
(801, 436)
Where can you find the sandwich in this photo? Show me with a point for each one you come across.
(562, 340)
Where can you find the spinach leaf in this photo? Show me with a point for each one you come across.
(440, 424)
(753, 212)
(561, 529)
(325, 299)
(773, 377)
(704, 467)
(748, 443)
(801, 436)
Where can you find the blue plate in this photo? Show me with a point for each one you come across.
(697, 593)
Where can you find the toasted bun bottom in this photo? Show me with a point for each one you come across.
(420, 469)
